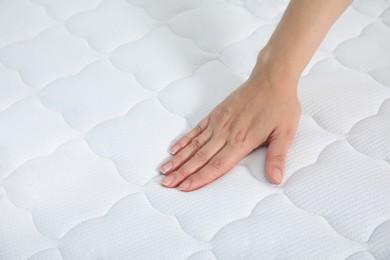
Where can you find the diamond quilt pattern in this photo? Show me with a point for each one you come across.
(94, 91)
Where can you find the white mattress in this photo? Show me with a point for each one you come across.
(93, 93)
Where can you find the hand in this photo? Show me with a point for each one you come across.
(263, 110)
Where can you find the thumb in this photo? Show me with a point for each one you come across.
(275, 159)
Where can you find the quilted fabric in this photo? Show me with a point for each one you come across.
(93, 92)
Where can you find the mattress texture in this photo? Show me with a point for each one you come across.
(93, 92)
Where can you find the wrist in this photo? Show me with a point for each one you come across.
(277, 64)
(278, 75)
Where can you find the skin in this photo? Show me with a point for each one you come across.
(264, 110)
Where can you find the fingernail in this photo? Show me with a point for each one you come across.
(167, 180)
(175, 148)
(185, 185)
(166, 167)
(277, 175)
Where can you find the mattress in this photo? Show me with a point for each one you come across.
(93, 93)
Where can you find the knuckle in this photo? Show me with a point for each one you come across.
(227, 110)
(201, 156)
(181, 172)
(185, 140)
(196, 143)
(239, 141)
(227, 125)
(217, 163)
(239, 137)
(198, 129)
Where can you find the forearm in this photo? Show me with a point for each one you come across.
(298, 35)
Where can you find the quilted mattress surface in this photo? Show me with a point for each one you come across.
(93, 92)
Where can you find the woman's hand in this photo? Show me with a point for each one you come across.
(263, 110)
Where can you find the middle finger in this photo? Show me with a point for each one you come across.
(197, 161)
(186, 153)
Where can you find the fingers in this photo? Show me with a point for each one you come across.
(276, 157)
(186, 152)
(186, 139)
(198, 160)
(221, 163)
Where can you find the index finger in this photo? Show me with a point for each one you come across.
(187, 138)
